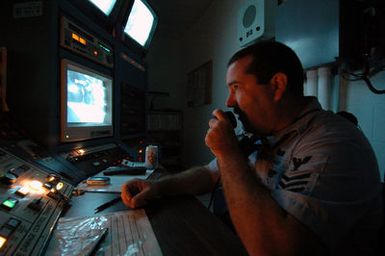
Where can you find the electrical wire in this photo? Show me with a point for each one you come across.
(371, 87)
(365, 76)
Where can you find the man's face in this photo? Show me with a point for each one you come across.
(251, 101)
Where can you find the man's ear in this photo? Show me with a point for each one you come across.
(279, 85)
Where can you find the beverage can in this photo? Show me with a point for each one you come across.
(151, 157)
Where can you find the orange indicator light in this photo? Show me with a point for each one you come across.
(50, 178)
(81, 151)
(2, 241)
(82, 41)
(75, 37)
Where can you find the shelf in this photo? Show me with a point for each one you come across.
(165, 129)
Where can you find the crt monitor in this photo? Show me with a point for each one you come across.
(103, 13)
(86, 103)
(105, 6)
(141, 23)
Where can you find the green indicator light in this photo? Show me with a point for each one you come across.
(10, 203)
(104, 48)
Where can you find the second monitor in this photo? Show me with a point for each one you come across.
(86, 103)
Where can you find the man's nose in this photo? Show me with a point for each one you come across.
(230, 102)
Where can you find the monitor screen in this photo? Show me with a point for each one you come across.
(141, 23)
(104, 5)
(86, 103)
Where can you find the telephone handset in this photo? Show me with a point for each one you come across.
(232, 118)
(246, 143)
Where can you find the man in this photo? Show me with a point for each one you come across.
(312, 189)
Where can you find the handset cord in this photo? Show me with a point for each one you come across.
(213, 192)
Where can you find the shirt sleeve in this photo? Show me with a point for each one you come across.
(331, 187)
(213, 166)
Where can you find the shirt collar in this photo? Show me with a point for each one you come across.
(299, 124)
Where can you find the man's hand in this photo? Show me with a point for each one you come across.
(136, 193)
(220, 137)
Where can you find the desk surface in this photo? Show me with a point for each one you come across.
(182, 225)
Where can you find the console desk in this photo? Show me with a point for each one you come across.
(182, 225)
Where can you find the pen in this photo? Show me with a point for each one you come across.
(106, 205)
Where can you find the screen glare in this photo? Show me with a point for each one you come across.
(87, 99)
(104, 5)
(139, 23)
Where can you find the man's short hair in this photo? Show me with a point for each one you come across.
(271, 57)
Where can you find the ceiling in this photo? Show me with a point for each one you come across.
(177, 16)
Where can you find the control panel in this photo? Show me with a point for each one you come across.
(93, 159)
(84, 43)
(31, 201)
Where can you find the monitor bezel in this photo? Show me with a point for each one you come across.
(98, 16)
(81, 133)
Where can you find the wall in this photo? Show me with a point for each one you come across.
(214, 37)
(303, 27)
(164, 72)
(369, 108)
(216, 41)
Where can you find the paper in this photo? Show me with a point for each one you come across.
(115, 185)
(129, 233)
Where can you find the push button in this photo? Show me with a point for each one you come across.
(9, 203)
(2, 242)
(13, 223)
(23, 191)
